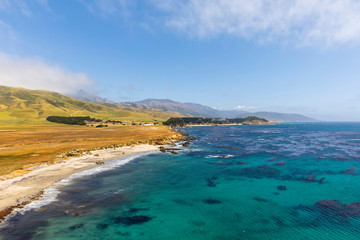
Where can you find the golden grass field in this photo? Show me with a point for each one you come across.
(22, 146)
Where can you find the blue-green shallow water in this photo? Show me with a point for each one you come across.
(224, 186)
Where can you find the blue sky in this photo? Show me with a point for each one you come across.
(298, 57)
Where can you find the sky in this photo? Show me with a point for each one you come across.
(299, 56)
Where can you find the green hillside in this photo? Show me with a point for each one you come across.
(23, 106)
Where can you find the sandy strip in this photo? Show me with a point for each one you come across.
(21, 190)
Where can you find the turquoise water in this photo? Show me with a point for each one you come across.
(233, 182)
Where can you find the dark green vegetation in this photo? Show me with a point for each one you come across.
(280, 117)
(183, 121)
(72, 120)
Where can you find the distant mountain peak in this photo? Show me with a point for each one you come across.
(90, 97)
(188, 108)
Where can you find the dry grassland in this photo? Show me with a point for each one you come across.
(24, 146)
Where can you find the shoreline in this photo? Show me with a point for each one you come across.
(229, 124)
(16, 193)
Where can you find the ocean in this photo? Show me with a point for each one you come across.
(286, 181)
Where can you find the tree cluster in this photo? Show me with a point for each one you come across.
(72, 120)
(183, 121)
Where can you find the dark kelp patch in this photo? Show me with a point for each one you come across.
(135, 210)
(263, 200)
(282, 188)
(211, 181)
(211, 201)
(76, 226)
(102, 226)
(128, 221)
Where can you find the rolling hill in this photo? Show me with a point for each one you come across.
(191, 109)
(18, 105)
(280, 117)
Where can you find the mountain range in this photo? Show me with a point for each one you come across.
(198, 110)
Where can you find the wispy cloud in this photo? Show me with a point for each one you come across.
(241, 107)
(45, 5)
(25, 7)
(36, 74)
(8, 35)
(107, 8)
(6, 32)
(300, 22)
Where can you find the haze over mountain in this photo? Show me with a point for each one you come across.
(89, 97)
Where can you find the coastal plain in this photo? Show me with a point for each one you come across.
(25, 146)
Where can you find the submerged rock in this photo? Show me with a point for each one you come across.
(282, 188)
(272, 159)
(335, 208)
(258, 199)
(102, 226)
(210, 181)
(328, 204)
(77, 226)
(169, 150)
(310, 178)
(124, 234)
(352, 206)
(229, 147)
(241, 162)
(134, 210)
(42, 209)
(128, 221)
(211, 201)
(262, 171)
(350, 171)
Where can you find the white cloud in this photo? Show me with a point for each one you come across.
(36, 74)
(240, 107)
(303, 22)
